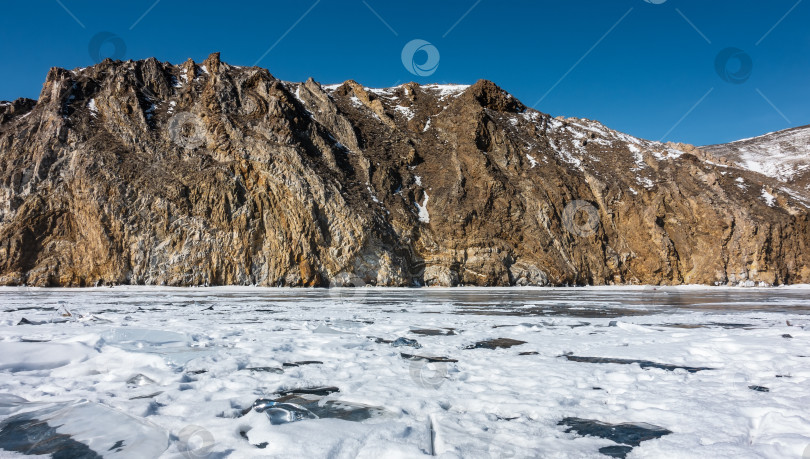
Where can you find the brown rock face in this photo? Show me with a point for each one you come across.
(149, 173)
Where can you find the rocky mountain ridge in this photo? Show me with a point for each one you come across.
(142, 172)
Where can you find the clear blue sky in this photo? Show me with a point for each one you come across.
(654, 63)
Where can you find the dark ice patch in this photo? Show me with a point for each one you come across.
(434, 332)
(727, 326)
(261, 445)
(334, 409)
(406, 342)
(642, 363)
(152, 395)
(61, 431)
(497, 343)
(266, 369)
(302, 362)
(618, 451)
(627, 435)
(321, 391)
(309, 403)
(25, 434)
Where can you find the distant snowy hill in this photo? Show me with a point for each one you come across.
(783, 155)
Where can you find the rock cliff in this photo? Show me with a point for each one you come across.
(206, 173)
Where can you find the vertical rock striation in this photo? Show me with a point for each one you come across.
(151, 173)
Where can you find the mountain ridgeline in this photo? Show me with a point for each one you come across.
(143, 172)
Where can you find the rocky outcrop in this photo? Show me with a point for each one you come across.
(150, 173)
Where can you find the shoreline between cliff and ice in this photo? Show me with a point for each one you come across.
(226, 288)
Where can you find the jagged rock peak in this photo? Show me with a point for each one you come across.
(491, 96)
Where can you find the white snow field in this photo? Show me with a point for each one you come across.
(135, 372)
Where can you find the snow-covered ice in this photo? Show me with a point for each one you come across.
(171, 372)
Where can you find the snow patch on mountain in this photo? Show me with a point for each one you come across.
(780, 155)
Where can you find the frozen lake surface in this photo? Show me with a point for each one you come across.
(466, 372)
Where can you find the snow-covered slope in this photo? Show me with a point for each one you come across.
(783, 155)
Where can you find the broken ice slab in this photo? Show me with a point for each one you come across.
(140, 380)
(626, 435)
(334, 409)
(282, 413)
(80, 430)
(30, 356)
(144, 340)
(759, 388)
(308, 403)
(426, 358)
(176, 348)
(25, 321)
(401, 342)
(10, 404)
(152, 395)
(642, 363)
(502, 343)
(321, 391)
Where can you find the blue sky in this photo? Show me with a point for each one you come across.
(645, 67)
